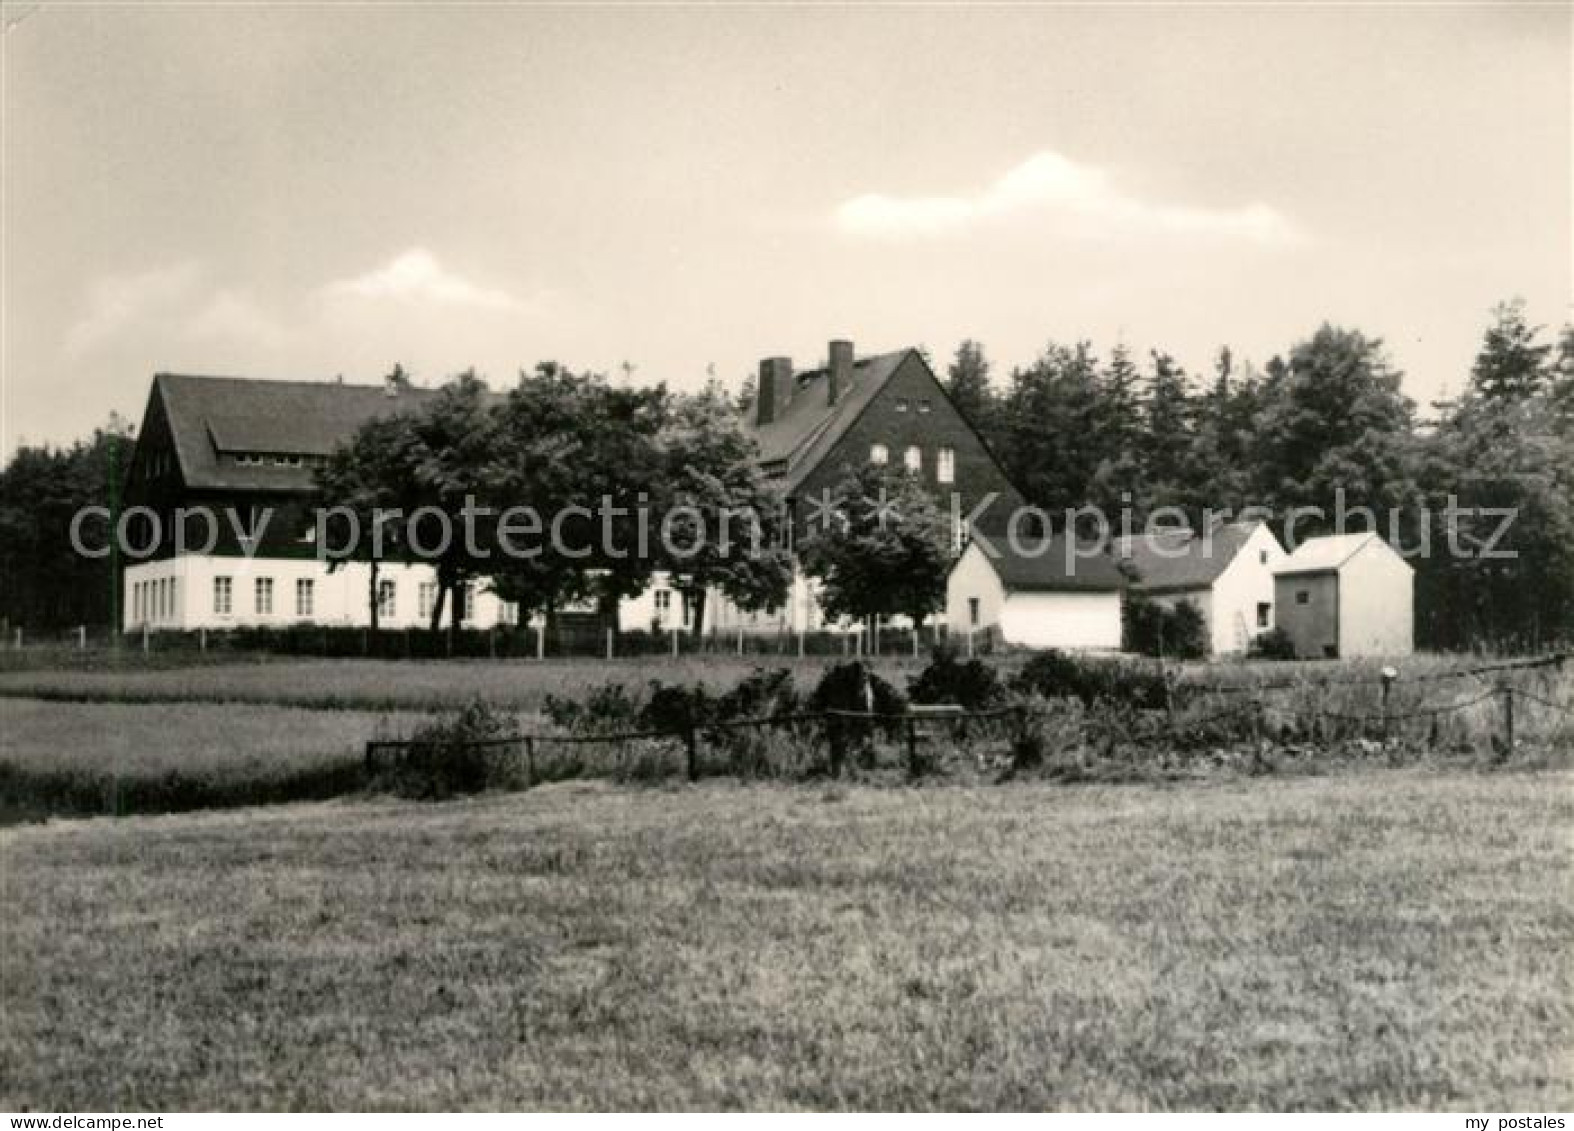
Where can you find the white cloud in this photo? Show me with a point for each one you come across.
(119, 304)
(1071, 199)
(417, 276)
(234, 316)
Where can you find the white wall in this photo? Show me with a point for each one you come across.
(1376, 595)
(1061, 620)
(973, 577)
(1245, 582)
(339, 598)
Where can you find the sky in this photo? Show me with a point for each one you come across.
(311, 191)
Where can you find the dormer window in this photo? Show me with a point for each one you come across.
(879, 455)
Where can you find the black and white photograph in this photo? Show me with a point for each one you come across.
(786, 557)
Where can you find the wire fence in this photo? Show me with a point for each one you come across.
(1253, 719)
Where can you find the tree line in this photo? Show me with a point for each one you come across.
(1323, 425)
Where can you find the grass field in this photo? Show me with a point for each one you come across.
(1374, 940)
(108, 758)
(391, 684)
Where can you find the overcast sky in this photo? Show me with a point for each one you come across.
(312, 191)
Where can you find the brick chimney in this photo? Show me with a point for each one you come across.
(775, 389)
(839, 374)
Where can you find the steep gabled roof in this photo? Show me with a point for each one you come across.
(1173, 561)
(1323, 554)
(792, 444)
(210, 417)
(1057, 569)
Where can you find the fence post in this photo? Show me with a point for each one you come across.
(1507, 691)
(740, 638)
(691, 742)
(970, 633)
(530, 761)
(800, 643)
(491, 642)
(202, 640)
(81, 638)
(912, 747)
(915, 642)
(19, 638)
(609, 644)
(1388, 675)
(144, 638)
(674, 640)
(541, 641)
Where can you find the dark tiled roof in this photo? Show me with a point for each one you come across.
(792, 444)
(1057, 569)
(1182, 559)
(211, 416)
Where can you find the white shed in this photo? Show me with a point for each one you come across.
(1346, 595)
(1226, 571)
(1063, 596)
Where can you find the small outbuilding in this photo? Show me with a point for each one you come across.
(1346, 595)
(1052, 594)
(1225, 570)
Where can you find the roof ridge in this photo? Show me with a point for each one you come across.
(326, 382)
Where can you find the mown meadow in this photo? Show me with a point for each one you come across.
(1373, 940)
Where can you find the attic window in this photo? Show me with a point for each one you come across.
(924, 405)
(1262, 557)
(901, 404)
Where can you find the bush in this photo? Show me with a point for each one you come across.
(1149, 628)
(767, 751)
(1275, 644)
(971, 684)
(675, 708)
(1056, 675)
(853, 687)
(609, 708)
(445, 756)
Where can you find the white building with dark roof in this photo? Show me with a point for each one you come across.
(1226, 571)
(1048, 595)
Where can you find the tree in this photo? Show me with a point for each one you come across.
(44, 582)
(429, 463)
(725, 529)
(363, 478)
(886, 551)
(1511, 364)
(1052, 443)
(967, 383)
(1333, 418)
(1168, 433)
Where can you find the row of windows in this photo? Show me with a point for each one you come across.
(913, 460)
(153, 600)
(922, 406)
(305, 598)
(279, 459)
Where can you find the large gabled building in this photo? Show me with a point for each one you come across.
(816, 426)
(243, 451)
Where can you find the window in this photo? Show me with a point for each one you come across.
(945, 465)
(304, 597)
(464, 596)
(222, 591)
(264, 596)
(1262, 557)
(1303, 596)
(972, 611)
(663, 602)
(901, 404)
(1264, 613)
(510, 612)
(924, 405)
(426, 599)
(879, 455)
(913, 458)
(387, 598)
